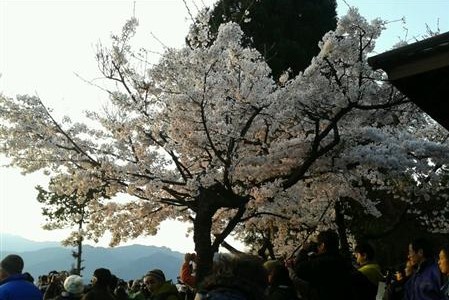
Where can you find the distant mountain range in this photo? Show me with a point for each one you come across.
(126, 262)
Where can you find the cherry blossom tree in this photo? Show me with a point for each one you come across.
(70, 210)
(206, 136)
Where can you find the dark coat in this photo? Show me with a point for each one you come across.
(16, 287)
(223, 294)
(395, 290)
(282, 293)
(167, 291)
(329, 276)
(99, 293)
(363, 288)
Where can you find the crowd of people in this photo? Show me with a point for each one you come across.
(319, 272)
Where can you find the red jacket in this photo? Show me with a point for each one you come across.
(186, 275)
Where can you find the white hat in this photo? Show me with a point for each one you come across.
(74, 284)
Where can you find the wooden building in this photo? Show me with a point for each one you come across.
(421, 71)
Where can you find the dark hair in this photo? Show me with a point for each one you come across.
(423, 244)
(28, 277)
(365, 248)
(280, 276)
(445, 249)
(241, 273)
(12, 264)
(307, 251)
(330, 240)
(104, 277)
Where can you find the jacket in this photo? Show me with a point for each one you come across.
(222, 294)
(425, 284)
(282, 292)
(98, 293)
(186, 275)
(16, 287)
(372, 272)
(167, 291)
(329, 276)
(445, 290)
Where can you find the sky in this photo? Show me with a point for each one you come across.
(47, 48)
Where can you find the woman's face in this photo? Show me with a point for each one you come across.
(443, 262)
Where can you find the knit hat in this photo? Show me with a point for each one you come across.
(74, 284)
(158, 274)
(103, 276)
(12, 264)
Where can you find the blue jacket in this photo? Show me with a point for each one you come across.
(16, 287)
(445, 290)
(425, 284)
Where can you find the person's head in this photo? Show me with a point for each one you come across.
(28, 277)
(419, 250)
(327, 242)
(190, 257)
(154, 279)
(364, 253)
(307, 251)
(102, 277)
(43, 279)
(409, 268)
(130, 283)
(269, 265)
(443, 260)
(136, 285)
(400, 273)
(11, 265)
(63, 275)
(241, 273)
(279, 276)
(73, 284)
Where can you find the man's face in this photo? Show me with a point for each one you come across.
(408, 268)
(415, 257)
(360, 258)
(152, 283)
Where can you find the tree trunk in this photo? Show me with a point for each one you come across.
(202, 227)
(341, 229)
(79, 260)
(208, 202)
(80, 250)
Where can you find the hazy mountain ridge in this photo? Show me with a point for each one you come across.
(9, 242)
(126, 262)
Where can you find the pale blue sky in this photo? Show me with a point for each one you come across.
(417, 14)
(42, 45)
